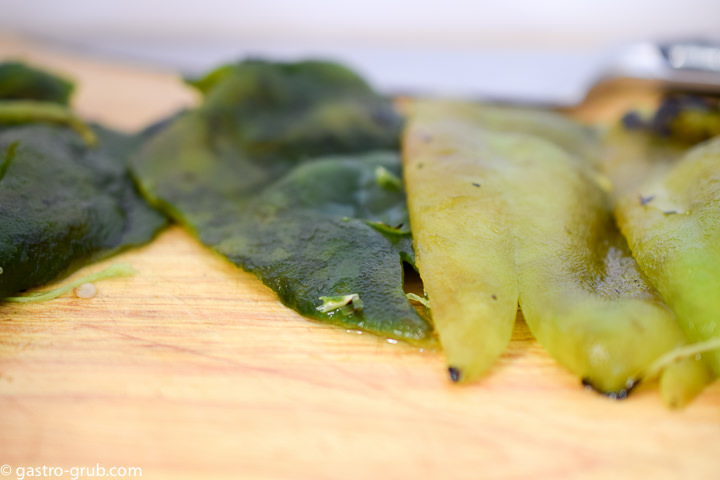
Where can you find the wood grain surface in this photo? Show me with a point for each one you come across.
(193, 369)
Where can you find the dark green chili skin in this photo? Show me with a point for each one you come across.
(63, 204)
(66, 194)
(19, 81)
(278, 172)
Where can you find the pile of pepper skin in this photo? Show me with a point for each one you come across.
(607, 239)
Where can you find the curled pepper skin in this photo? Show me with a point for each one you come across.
(291, 171)
(23, 112)
(537, 226)
(19, 81)
(29, 95)
(62, 203)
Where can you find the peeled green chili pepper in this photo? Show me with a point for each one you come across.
(287, 170)
(668, 206)
(532, 220)
(462, 243)
(581, 291)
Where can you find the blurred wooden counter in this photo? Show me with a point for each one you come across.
(193, 369)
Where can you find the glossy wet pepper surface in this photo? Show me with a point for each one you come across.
(532, 216)
(667, 201)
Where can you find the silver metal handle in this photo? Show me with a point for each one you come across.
(698, 56)
(692, 65)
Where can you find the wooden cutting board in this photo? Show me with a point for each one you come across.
(193, 369)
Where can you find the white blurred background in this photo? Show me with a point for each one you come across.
(446, 23)
(392, 37)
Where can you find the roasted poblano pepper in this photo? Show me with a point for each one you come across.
(63, 203)
(291, 172)
(503, 211)
(667, 201)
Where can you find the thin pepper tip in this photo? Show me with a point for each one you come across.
(614, 394)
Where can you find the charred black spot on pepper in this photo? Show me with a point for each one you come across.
(645, 200)
(384, 117)
(621, 395)
(615, 395)
(633, 121)
(454, 374)
(661, 123)
(684, 118)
